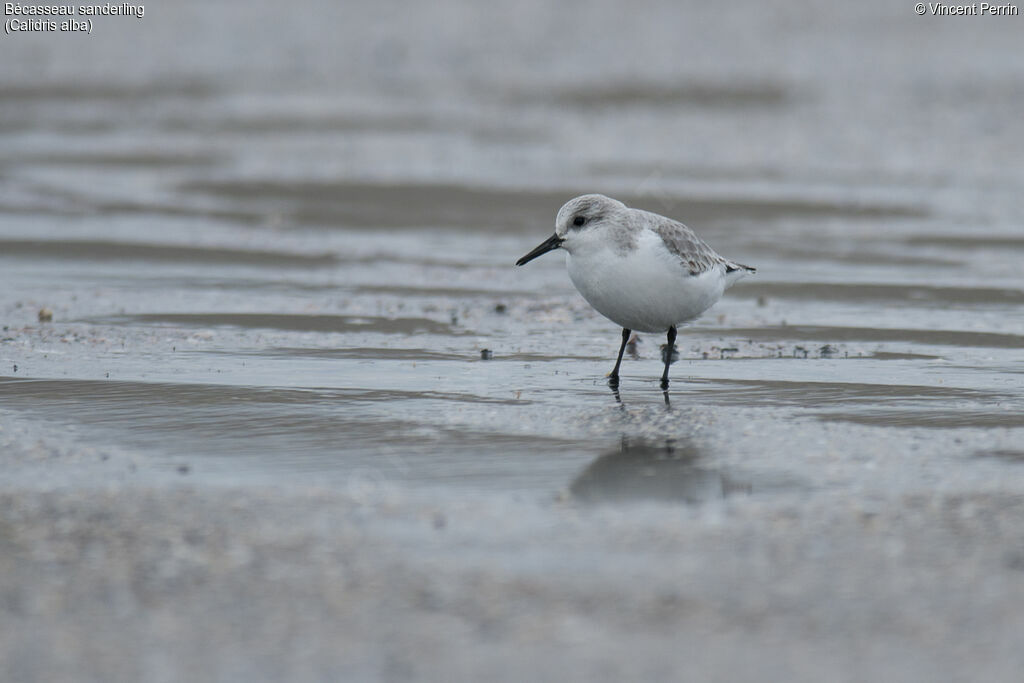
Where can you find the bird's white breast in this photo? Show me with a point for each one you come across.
(646, 288)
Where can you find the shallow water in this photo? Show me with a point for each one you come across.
(286, 265)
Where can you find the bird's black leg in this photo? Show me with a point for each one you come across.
(670, 348)
(613, 378)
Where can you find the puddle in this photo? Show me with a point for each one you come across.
(414, 206)
(267, 434)
(96, 250)
(918, 294)
(634, 94)
(931, 419)
(284, 321)
(973, 241)
(105, 90)
(1014, 456)
(812, 394)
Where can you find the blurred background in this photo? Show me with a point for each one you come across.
(250, 112)
(270, 244)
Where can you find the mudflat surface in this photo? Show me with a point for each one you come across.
(297, 416)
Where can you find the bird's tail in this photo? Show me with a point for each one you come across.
(730, 267)
(736, 271)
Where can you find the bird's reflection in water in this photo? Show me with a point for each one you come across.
(662, 470)
(614, 386)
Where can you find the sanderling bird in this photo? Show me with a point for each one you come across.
(642, 271)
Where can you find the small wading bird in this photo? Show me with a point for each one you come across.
(640, 270)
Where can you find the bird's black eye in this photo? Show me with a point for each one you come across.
(578, 221)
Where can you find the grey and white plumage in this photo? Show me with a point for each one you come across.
(640, 270)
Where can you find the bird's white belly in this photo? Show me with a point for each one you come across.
(644, 290)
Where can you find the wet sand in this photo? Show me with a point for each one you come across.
(292, 414)
(175, 582)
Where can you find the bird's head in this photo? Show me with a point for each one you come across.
(578, 219)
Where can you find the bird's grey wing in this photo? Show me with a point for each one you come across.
(695, 255)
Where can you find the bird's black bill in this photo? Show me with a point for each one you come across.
(550, 244)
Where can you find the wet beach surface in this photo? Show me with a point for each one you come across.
(293, 414)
